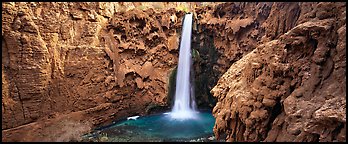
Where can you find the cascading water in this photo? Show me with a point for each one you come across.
(183, 123)
(184, 104)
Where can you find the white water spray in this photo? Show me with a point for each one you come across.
(184, 104)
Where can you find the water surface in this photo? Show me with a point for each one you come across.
(159, 127)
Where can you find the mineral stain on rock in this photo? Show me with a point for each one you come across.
(271, 71)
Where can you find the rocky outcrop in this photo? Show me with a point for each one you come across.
(223, 34)
(87, 59)
(292, 87)
(69, 67)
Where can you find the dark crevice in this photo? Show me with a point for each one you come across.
(205, 76)
(315, 138)
(336, 131)
(234, 131)
(313, 44)
(106, 57)
(298, 12)
(171, 86)
(284, 26)
(20, 99)
(241, 130)
(276, 110)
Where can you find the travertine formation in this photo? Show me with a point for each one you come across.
(83, 58)
(292, 87)
(278, 68)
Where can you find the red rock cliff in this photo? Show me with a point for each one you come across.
(277, 70)
(68, 67)
(292, 86)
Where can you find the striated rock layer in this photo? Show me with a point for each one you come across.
(292, 86)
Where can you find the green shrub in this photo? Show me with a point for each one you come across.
(182, 8)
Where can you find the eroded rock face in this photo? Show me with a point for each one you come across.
(85, 59)
(69, 67)
(292, 87)
(223, 34)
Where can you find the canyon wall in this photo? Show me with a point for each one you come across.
(292, 86)
(276, 70)
(223, 34)
(69, 67)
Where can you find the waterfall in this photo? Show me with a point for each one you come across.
(184, 104)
